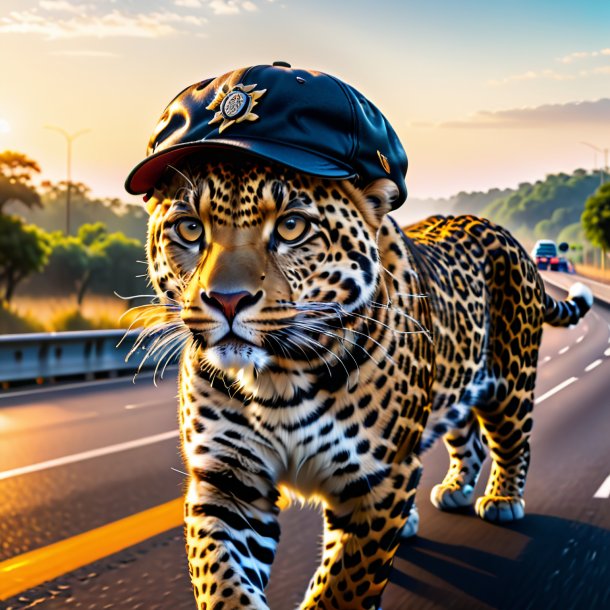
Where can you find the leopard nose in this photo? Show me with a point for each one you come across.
(231, 303)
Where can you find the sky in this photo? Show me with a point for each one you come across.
(482, 94)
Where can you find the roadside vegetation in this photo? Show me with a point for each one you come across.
(50, 281)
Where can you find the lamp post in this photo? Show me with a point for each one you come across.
(69, 139)
(604, 170)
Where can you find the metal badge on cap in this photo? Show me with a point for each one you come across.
(234, 106)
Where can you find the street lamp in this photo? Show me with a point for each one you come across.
(69, 139)
(600, 150)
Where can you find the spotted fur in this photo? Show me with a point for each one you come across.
(347, 355)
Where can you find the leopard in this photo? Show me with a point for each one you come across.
(323, 349)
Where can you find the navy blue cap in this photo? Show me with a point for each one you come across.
(303, 119)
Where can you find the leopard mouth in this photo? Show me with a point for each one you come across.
(233, 353)
(234, 341)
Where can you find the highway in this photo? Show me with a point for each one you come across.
(80, 459)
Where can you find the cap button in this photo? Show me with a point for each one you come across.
(282, 64)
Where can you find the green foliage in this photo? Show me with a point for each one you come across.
(596, 218)
(101, 257)
(90, 233)
(24, 249)
(573, 234)
(70, 265)
(542, 210)
(477, 201)
(16, 173)
(93, 260)
(121, 267)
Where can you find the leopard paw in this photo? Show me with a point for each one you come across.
(500, 509)
(412, 525)
(451, 497)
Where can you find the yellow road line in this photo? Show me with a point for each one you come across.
(35, 567)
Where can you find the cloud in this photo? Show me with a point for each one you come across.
(598, 70)
(188, 3)
(113, 24)
(573, 113)
(551, 74)
(63, 6)
(58, 19)
(579, 55)
(533, 75)
(231, 7)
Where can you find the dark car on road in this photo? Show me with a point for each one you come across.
(547, 257)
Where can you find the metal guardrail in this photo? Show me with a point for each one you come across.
(41, 356)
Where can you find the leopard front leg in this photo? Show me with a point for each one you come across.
(360, 543)
(230, 514)
(230, 545)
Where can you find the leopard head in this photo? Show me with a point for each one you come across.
(267, 268)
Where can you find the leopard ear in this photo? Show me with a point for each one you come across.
(379, 196)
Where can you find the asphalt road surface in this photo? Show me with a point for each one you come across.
(115, 453)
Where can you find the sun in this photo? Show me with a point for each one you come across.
(4, 126)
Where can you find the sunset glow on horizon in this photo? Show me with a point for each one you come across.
(481, 96)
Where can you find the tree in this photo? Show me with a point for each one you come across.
(24, 249)
(72, 265)
(89, 233)
(596, 219)
(18, 167)
(94, 260)
(122, 267)
(543, 209)
(16, 174)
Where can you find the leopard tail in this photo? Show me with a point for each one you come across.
(570, 311)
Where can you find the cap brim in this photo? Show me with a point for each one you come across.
(145, 175)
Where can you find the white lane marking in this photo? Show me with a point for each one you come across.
(88, 455)
(607, 352)
(42, 389)
(557, 388)
(563, 350)
(593, 365)
(141, 405)
(545, 360)
(580, 338)
(604, 490)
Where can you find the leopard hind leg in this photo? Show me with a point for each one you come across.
(506, 420)
(466, 456)
(465, 448)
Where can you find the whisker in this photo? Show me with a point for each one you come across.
(183, 175)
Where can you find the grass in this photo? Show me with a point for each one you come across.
(11, 322)
(39, 314)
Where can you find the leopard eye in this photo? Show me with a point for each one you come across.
(292, 228)
(189, 229)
